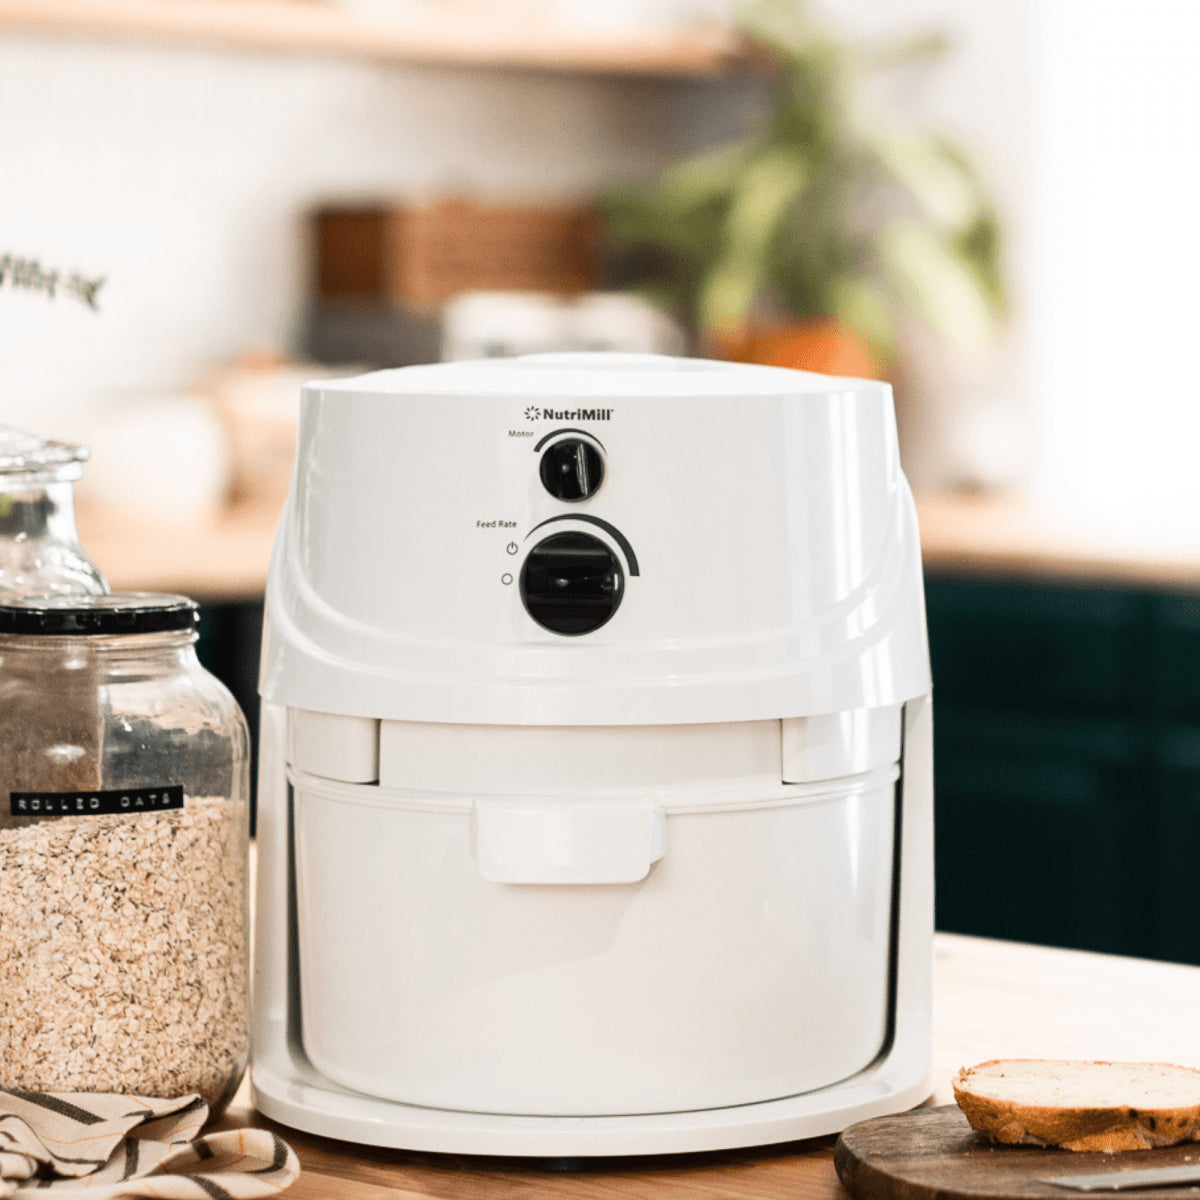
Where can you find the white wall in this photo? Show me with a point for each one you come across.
(183, 175)
(1116, 256)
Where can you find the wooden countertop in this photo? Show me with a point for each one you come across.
(990, 536)
(222, 559)
(991, 999)
(1013, 537)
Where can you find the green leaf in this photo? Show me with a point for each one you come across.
(702, 179)
(727, 296)
(766, 191)
(930, 277)
(681, 212)
(781, 24)
(767, 188)
(864, 307)
(979, 247)
(919, 47)
(940, 182)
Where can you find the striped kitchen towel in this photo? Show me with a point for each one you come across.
(101, 1145)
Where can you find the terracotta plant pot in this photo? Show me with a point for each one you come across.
(823, 345)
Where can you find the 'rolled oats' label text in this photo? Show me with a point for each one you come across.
(83, 804)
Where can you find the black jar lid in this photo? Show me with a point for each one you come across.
(120, 612)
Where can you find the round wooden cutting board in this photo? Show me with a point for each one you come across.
(933, 1154)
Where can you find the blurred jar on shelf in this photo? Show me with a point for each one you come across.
(500, 324)
(623, 323)
(490, 324)
(157, 458)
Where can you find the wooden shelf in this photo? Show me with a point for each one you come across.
(463, 33)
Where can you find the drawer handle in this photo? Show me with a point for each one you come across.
(559, 841)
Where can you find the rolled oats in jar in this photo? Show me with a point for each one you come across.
(124, 781)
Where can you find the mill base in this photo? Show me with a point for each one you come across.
(314, 1105)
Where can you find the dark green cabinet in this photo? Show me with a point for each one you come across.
(1067, 764)
(230, 646)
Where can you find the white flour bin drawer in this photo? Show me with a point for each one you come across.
(606, 955)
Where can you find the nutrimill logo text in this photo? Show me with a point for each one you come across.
(533, 413)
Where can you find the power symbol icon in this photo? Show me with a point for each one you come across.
(512, 547)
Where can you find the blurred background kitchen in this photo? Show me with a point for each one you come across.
(207, 202)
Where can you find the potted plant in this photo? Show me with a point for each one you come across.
(810, 239)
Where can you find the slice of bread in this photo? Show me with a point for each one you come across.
(1081, 1105)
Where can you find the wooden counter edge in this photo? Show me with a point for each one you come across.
(988, 536)
(223, 558)
(1013, 537)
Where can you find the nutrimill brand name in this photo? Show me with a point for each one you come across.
(534, 413)
(95, 804)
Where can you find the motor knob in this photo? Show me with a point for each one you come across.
(571, 583)
(572, 468)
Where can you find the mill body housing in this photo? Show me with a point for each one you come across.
(595, 800)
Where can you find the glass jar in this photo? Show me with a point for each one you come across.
(39, 543)
(123, 852)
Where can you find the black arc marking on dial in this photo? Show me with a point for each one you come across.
(587, 519)
(559, 432)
